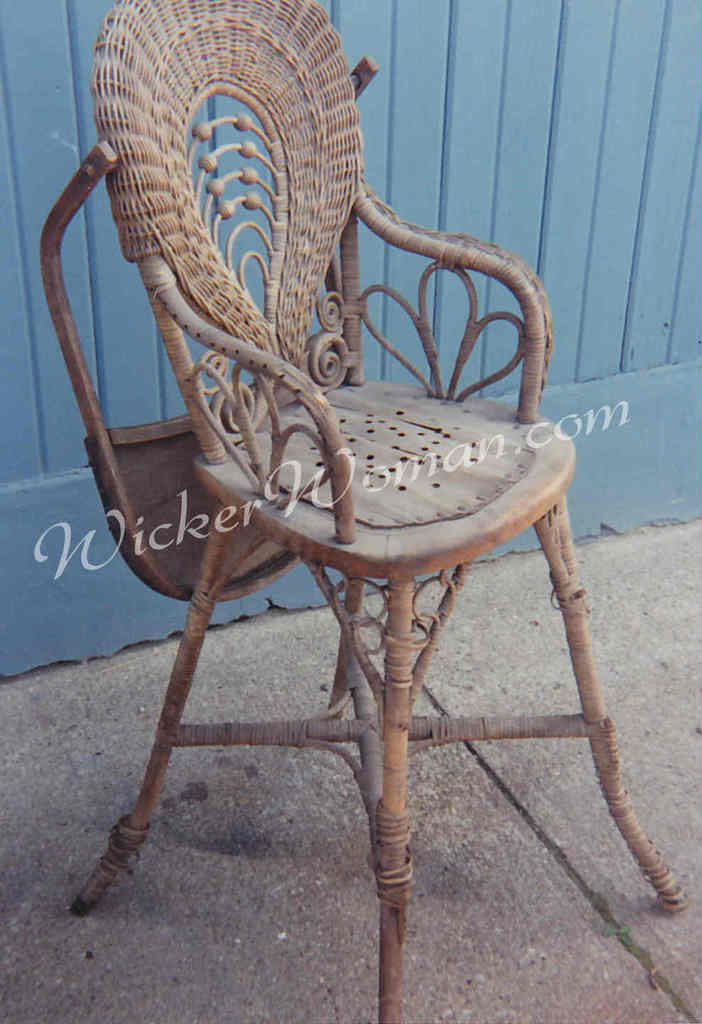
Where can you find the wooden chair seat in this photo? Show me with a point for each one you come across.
(434, 483)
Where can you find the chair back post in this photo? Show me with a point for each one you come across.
(351, 293)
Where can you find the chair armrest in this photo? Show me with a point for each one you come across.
(464, 252)
(271, 372)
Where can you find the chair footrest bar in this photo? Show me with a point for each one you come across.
(432, 731)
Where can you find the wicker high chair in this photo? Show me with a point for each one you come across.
(398, 486)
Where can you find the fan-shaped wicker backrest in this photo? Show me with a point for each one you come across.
(156, 63)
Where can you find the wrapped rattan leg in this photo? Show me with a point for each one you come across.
(606, 754)
(556, 540)
(394, 864)
(130, 831)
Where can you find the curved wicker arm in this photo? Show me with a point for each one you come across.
(271, 373)
(462, 253)
(100, 161)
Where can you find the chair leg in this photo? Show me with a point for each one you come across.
(556, 541)
(130, 831)
(394, 864)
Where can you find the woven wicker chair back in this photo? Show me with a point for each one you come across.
(156, 63)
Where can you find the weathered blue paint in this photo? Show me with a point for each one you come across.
(85, 613)
(635, 42)
(686, 330)
(528, 74)
(20, 424)
(472, 131)
(415, 140)
(582, 77)
(568, 132)
(665, 191)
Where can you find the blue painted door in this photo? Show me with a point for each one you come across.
(567, 130)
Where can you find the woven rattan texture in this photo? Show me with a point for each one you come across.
(155, 62)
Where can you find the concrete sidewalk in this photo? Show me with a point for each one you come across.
(252, 900)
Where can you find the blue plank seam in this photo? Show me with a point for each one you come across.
(21, 234)
(552, 136)
(671, 354)
(496, 176)
(626, 353)
(392, 93)
(448, 108)
(596, 192)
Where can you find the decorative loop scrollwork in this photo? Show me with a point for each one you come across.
(330, 312)
(232, 179)
(216, 368)
(424, 620)
(477, 329)
(327, 359)
(426, 625)
(223, 408)
(372, 620)
(382, 289)
(421, 321)
(218, 363)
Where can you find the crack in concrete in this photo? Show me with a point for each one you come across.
(595, 899)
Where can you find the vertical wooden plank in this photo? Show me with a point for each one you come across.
(580, 99)
(497, 144)
(686, 335)
(471, 139)
(416, 144)
(45, 155)
(665, 191)
(637, 35)
(128, 369)
(532, 48)
(366, 30)
(520, 170)
(21, 449)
